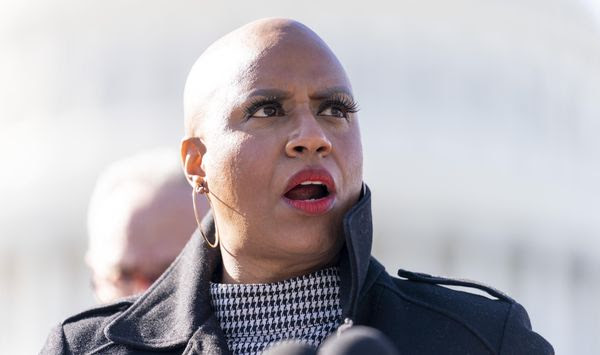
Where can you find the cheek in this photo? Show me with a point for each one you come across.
(240, 169)
(351, 158)
(220, 165)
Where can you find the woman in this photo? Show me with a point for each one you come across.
(272, 140)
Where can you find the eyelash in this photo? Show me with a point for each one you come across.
(347, 104)
(260, 102)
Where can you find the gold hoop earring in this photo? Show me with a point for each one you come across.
(202, 189)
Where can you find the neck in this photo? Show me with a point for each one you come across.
(242, 270)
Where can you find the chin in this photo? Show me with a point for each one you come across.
(310, 243)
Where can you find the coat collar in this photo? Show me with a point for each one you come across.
(177, 306)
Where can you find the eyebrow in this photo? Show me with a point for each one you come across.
(318, 95)
(280, 94)
(329, 92)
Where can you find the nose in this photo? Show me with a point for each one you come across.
(308, 139)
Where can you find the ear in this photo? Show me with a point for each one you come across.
(192, 152)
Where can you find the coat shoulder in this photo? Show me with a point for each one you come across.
(468, 303)
(84, 332)
(497, 322)
(469, 286)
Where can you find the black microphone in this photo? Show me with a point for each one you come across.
(290, 348)
(358, 340)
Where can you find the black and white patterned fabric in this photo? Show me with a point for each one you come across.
(254, 316)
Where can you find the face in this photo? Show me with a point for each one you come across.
(141, 231)
(282, 158)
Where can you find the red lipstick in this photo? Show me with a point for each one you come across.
(311, 191)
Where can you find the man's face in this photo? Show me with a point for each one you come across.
(140, 231)
(283, 158)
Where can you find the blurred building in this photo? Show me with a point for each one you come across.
(479, 121)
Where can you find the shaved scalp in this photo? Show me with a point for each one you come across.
(232, 62)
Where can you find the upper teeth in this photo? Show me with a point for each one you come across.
(311, 183)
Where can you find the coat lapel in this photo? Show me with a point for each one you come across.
(356, 257)
(178, 303)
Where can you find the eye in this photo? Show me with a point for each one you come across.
(339, 106)
(267, 111)
(264, 107)
(334, 112)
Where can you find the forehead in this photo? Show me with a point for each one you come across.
(288, 57)
(296, 64)
(137, 222)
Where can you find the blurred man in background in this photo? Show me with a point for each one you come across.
(140, 217)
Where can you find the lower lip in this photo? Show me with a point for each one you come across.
(312, 207)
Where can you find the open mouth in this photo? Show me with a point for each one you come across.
(311, 191)
(308, 191)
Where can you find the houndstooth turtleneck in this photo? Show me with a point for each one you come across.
(253, 316)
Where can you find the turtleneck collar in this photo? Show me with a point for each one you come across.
(253, 316)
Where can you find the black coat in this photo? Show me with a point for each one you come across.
(420, 317)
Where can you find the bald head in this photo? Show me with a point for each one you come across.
(236, 62)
